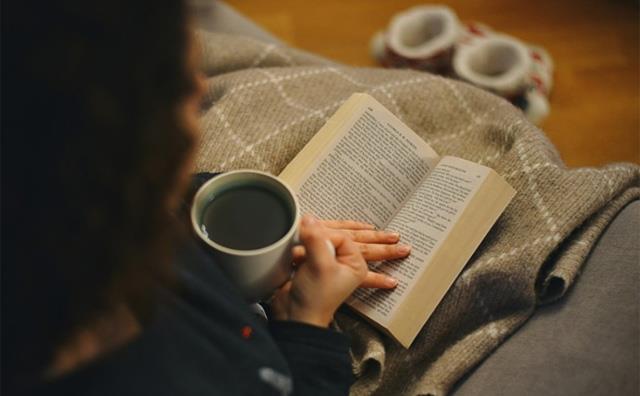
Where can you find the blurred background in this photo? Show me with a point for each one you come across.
(595, 102)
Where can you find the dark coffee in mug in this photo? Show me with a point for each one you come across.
(246, 218)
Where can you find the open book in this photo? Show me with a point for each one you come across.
(365, 164)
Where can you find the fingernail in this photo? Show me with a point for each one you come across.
(391, 282)
(404, 249)
(394, 235)
(308, 220)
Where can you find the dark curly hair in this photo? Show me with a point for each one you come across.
(92, 147)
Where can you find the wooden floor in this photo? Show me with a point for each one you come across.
(595, 108)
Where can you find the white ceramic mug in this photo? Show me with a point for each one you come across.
(257, 272)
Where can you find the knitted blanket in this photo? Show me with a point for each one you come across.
(264, 103)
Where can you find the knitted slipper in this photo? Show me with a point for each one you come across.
(432, 38)
(504, 65)
(421, 37)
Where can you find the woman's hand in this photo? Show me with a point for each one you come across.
(324, 281)
(374, 245)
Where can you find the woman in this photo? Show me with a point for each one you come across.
(103, 292)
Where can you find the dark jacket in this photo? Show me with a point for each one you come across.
(204, 339)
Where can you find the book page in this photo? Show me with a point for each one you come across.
(423, 222)
(365, 164)
(369, 171)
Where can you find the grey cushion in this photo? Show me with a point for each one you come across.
(585, 344)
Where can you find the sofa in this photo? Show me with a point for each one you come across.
(588, 342)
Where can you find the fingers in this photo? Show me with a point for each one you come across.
(347, 225)
(378, 281)
(347, 253)
(345, 247)
(370, 252)
(279, 301)
(379, 252)
(314, 237)
(360, 232)
(299, 254)
(319, 250)
(370, 236)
